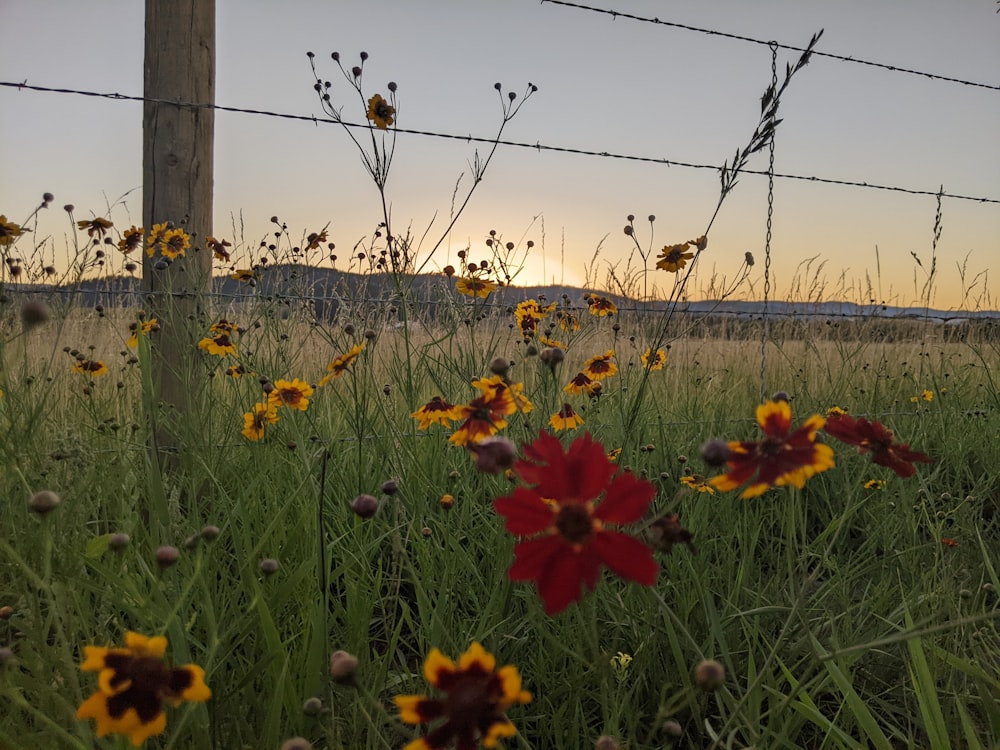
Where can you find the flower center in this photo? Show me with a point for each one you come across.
(472, 697)
(575, 523)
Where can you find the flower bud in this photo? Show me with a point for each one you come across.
(167, 556)
(343, 667)
(493, 454)
(709, 675)
(296, 743)
(715, 452)
(269, 566)
(44, 502)
(312, 706)
(552, 356)
(364, 505)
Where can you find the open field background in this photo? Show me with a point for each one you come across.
(844, 616)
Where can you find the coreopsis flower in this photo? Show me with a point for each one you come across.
(155, 237)
(134, 683)
(875, 484)
(174, 243)
(98, 226)
(223, 326)
(9, 231)
(564, 513)
(698, 484)
(529, 314)
(380, 112)
(131, 240)
(291, 393)
(601, 306)
(93, 367)
(256, 420)
(244, 275)
(142, 329)
(341, 364)
(580, 384)
(236, 371)
(486, 414)
(474, 709)
(475, 287)
(834, 411)
(218, 248)
(568, 321)
(565, 419)
(437, 410)
(653, 360)
(782, 457)
(315, 239)
(552, 343)
(674, 257)
(600, 366)
(219, 345)
(877, 439)
(701, 243)
(924, 396)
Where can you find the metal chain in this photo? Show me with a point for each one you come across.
(764, 335)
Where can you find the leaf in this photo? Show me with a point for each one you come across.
(97, 546)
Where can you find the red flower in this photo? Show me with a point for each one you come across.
(782, 457)
(877, 438)
(570, 497)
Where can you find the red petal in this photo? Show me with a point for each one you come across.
(525, 512)
(627, 557)
(532, 557)
(559, 583)
(627, 500)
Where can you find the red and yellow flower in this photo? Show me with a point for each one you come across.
(474, 709)
(782, 457)
(674, 257)
(600, 366)
(380, 112)
(341, 364)
(133, 685)
(291, 393)
(436, 411)
(472, 286)
(565, 419)
(256, 420)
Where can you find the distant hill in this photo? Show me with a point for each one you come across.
(327, 289)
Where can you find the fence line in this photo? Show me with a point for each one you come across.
(652, 308)
(739, 37)
(537, 146)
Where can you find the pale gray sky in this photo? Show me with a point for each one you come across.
(605, 85)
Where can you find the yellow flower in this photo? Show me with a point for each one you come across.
(314, 240)
(255, 421)
(654, 361)
(134, 683)
(601, 306)
(601, 366)
(580, 384)
(380, 112)
(674, 257)
(698, 484)
(291, 393)
(473, 287)
(92, 367)
(339, 366)
(174, 243)
(245, 275)
(835, 411)
(142, 329)
(568, 321)
(565, 419)
(130, 240)
(218, 248)
(155, 235)
(96, 226)
(219, 345)
(437, 410)
(9, 230)
(875, 484)
(478, 697)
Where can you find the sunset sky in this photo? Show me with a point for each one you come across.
(604, 84)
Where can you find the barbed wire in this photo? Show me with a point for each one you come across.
(537, 146)
(875, 311)
(739, 37)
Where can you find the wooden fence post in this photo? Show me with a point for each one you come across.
(177, 183)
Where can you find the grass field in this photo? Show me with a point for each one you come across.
(857, 611)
